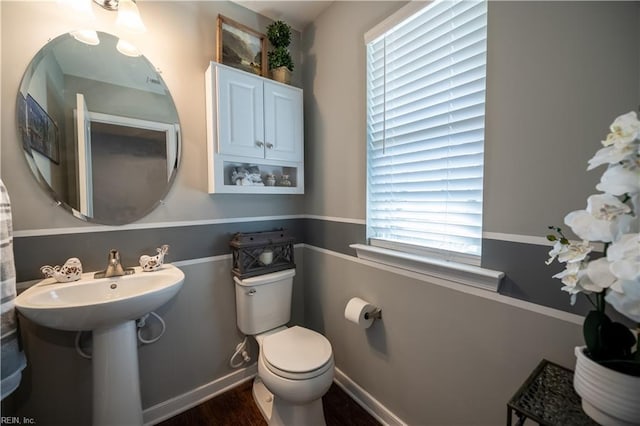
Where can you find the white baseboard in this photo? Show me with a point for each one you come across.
(366, 401)
(180, 403)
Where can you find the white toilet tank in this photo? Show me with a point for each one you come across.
(264, 302)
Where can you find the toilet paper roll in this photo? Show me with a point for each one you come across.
(356, 310)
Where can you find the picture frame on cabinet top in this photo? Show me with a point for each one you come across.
(241, 47)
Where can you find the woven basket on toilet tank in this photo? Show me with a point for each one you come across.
(257, 253)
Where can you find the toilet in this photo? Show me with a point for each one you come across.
(295, 365)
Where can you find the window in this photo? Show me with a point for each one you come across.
(425, 130)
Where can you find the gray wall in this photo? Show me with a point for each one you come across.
(180, 41)
(551, 96)
(201, 328)
(438, 356)
(200, 337)
(442, 356)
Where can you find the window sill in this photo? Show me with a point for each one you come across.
(474, 276)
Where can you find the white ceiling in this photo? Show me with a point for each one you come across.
(297, 13)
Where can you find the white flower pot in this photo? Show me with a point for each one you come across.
(608, 397)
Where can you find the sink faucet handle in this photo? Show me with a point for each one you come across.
(114, 255)
(114, 266)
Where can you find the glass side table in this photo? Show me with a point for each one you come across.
(548, 398)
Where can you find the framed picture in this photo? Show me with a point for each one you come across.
(241, 47)
(22, 120)
(42, 132)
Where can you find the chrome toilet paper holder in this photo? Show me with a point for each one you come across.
(375, 314)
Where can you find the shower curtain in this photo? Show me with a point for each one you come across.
(13, 360)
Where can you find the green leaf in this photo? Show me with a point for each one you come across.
(564, 241)
(280, 57)
(551, 237)
(617, 340)
(279, 34)
(591, 329)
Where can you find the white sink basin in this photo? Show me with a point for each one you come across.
(92, 303)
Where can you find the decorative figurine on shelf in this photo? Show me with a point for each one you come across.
(284, 180)
(70, 271)
(153, 263)
(246, 176)
(271, 180)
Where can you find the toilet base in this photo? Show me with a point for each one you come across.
(282, 413)
(263, 398)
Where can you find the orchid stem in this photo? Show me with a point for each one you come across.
(600, 301)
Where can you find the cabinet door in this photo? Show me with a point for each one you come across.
(283, 122)
(240, 114)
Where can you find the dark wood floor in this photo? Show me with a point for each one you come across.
(236, 408)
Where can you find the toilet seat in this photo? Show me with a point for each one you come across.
(297, 353)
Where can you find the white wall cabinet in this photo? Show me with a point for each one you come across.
(253, 121)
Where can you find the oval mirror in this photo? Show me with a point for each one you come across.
(99, 129)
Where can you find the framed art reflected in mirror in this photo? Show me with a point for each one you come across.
(39, 131)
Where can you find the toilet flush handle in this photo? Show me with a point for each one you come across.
(251, 292)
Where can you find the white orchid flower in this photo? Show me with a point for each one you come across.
(624, 257)
(608, 220)
(604, 219)
(606, 206)
(569, 276)
(620, 180)
(600, 275)
(627, 302)
(572, 275)
(635, 202)
(613, 155)
(624, 130)
(558, 248)
(576, 281)
(573, 291)
(575, 252)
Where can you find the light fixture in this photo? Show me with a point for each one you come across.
(89, 37)
(129, 17)
(128, 14)
(108, 4)
(82, 12)
(127, 49)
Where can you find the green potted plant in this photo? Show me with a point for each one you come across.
(607, 375)
(280, 62)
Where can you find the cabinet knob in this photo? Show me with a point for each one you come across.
(269, 145)
(260, 144)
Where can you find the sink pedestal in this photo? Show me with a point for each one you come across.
(116, 381)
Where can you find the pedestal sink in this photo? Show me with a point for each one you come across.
(109, 307)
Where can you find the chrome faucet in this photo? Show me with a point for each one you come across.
(114, 267)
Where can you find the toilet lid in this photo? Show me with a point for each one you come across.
(296, 350)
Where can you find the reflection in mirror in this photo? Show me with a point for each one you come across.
(99, 129)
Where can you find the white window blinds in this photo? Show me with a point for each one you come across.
(425, 129)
